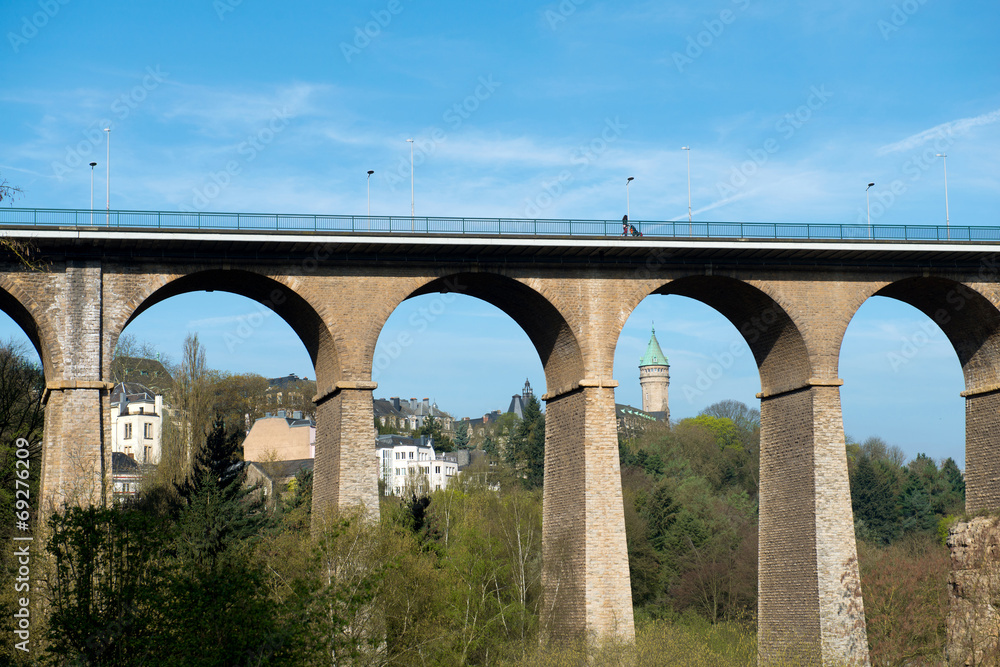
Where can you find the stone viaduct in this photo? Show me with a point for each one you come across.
(791, 301)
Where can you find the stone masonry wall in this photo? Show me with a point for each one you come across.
(788, 623)
(982, 451)
(973, 592)
(564, 520)
(609, 590)
(842, 612)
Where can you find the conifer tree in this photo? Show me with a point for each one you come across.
(215, 608)
(526, 450)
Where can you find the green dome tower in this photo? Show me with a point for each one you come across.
(654, 377)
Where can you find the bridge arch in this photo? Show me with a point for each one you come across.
(585, 580)
(279, 294)
(527, 304)
(809, 599)
(761, 317)
(17, 304)
(969, 317)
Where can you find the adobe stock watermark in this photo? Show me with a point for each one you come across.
(883, 198)
(563, 11)
(901, 13)
(786, 127)
(247, 325)
(955, 300)
(121, 108)
(30, 26)
(911, 345)
(388, 352)
(223, 7)
(364, 34)
(22, 544)
(217, 181)
(752, 330)
(454, 116)
(583, 156)
(704, 39)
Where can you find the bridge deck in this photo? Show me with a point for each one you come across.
(336, 239)
(289, 222)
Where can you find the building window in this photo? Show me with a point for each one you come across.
(147, 454)
(411, 455)
(437, 470)
(128, 431)
(141, 409)
(147, 431)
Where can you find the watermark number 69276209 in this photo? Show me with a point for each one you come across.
(22, 545)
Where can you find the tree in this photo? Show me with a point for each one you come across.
(22, 386)
(214, 604)
(432, 429)
(130, 355)
(292, 395)
(8, 191)
(526, 449)
(873, 499)
(462, 435)
(906, 600)
(240, 399)
(878, 449)
(745, 418)
(103, 586)
(191, 394)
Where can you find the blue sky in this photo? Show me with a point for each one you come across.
(527, 110)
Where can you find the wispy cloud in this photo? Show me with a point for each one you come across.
(960, 126)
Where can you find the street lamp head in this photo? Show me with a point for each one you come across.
(371, 171)
(869, 185)
(630, 178)
(940, 155)
(685, 148)
(93, 164)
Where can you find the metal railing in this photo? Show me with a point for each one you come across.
(282, 222)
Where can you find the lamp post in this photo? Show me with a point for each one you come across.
(107, 220)
(92, 165)
(688, 149)
(627, 209)
(411, 183)
(869, 206)
(370, 172)
(947, 218)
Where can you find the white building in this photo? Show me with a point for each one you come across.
(409, 465)
(136, 422)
